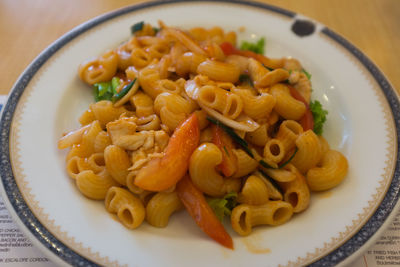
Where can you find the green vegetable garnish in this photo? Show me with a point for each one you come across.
(115, 82)
(264, 164)
(270, 69)
(102, 88)
(272, 181)
(257, 47)
(102, 91)
(124, 91)
(244, 78)
(223, 206)
(156, 30)
(289, 160)
(307, 74)
(226, 151)
(319, 115)
(240, 141)
(137, 27)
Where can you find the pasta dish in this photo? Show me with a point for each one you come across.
(192, 120)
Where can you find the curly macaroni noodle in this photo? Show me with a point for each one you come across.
(262, 150)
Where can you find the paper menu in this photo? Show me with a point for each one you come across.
(386, 251)
(15, 248)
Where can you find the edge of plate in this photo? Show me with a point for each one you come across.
(37, 232)
(383, 215)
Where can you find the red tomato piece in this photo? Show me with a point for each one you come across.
(162, 173)
(224, 142)
(197, 206)
(228, 48)
(307, 121)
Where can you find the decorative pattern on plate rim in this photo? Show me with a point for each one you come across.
(54, 245)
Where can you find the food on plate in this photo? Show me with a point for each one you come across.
(186, 119)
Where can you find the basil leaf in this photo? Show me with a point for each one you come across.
(268, 68)
(156, 30)
(240, 141)
(264, 164)
(123, 92)
(226, 151)
(244, 78)
(289, 160)
(137, 27)
(272, 181)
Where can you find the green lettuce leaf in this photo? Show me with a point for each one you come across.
(257, 47)
(319, 115)
(223, 206)
(307, 74)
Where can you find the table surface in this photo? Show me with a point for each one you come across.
(27, 27)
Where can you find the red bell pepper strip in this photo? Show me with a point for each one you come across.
(162, 173)
(197, 206)
(224, 142)
(229, 49)
(307, 121)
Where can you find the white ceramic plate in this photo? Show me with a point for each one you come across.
(48, 98)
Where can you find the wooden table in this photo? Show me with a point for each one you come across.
(27, 27)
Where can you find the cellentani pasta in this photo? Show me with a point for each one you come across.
(186, 119)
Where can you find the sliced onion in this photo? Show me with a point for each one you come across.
(185, 40)
(247, 121)
(246, 124)
(192, 89)
(73, 137)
